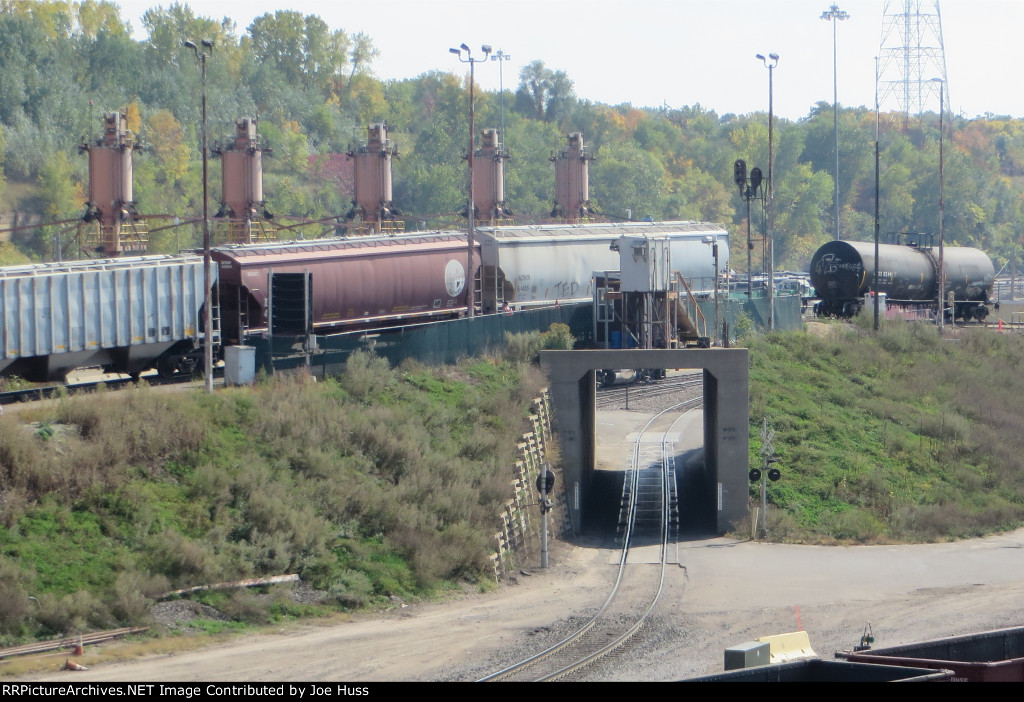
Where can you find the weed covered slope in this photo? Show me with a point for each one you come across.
(899, 436)
(381, 483)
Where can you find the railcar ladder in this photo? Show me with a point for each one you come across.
(215, 317)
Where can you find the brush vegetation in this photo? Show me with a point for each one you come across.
(895, 436)
(382, 483)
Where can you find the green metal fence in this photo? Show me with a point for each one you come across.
(448, 342)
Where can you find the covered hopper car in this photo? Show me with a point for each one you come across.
(358, 283)
(538, 265)
(125, 315)
(842, 273)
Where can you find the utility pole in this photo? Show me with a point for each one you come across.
(208, 276)
(877, 197)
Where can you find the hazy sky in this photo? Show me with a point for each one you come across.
(670, 52)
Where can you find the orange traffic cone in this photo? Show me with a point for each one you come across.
(79, 650)
(71, 665)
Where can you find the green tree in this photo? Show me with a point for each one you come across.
(303, 49)
(60, 195)
(625, 177)
(544, 94)
(698, 195)
(800, 215)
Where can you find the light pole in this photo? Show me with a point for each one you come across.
(770, 63)
(942, 267)
(500, 56)
(835, 14)
(877, 196)
(207, 277)
(471, 208)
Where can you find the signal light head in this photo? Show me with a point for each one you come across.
(739, 172)
(755, 178)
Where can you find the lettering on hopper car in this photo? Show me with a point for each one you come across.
(568, 289)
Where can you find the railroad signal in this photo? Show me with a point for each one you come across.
(545, 482)
(774, 474)
(755, 474)
(755, 178)
(739, 173)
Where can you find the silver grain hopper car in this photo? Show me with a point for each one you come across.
(529, 266)
(125, 315)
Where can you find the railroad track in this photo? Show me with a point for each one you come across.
(70, 642)
(619, 397)
(48, 392)
(648, 518)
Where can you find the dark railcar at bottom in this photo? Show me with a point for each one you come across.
(842, 274)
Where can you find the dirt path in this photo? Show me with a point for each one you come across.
(721, 594)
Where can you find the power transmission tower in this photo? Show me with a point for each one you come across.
(912, 61)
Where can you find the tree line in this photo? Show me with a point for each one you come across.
(64, 63)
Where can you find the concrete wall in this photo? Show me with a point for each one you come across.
(726, 419)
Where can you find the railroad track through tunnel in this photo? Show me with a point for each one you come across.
(648, 519)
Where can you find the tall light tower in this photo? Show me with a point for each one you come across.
(207, 276)
(942, 217)
(500, 56)
(835, 14)
(770, 63)
(471, 206)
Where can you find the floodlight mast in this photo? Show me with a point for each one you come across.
(835, 14)
(770, 63)
(471, 207)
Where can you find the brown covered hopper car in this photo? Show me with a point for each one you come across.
(361, 283)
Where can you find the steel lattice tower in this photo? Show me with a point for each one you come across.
(912, 61)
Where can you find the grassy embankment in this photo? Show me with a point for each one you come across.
(383, 483)
(899, 436)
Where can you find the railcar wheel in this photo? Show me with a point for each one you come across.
(167, 367)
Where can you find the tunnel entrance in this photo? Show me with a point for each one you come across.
(713, 484)
(694, 517)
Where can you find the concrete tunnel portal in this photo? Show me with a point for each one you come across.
(726, 421)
